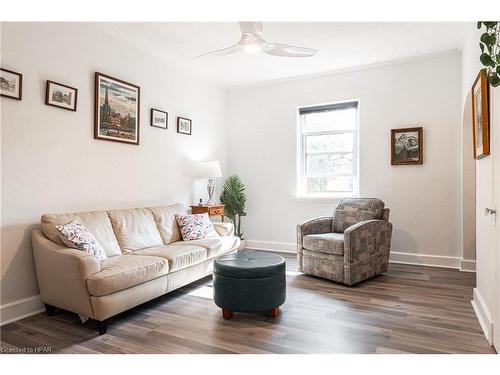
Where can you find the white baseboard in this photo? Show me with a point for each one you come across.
(10, 312)
(483, 315)
(425, 260)
(280, 247)
(395, 257)
(467, 265)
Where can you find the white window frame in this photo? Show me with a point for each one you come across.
(301, 156)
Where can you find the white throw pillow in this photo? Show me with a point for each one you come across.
(76, 236)
(195, 227)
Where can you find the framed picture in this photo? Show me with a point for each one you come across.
(407, 146)
(184, 125)
(116, 112)
(159, 118)
(481, 116)
(11, 84)
(62, 96)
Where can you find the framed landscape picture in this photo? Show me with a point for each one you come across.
(159, 119)
(11, 84)
(62, 96)
(184, 125)
(116, 112)
(407, 146)
(480, 116)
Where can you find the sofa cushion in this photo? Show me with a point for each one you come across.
(165, 221)
(178, 257)
(343, 219)
(96, 222)
(135, 229)
(215, 246)
(125, 271)
(332, 243)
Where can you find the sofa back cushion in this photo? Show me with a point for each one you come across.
(96, 222)
(353, 210)
(135, 229)
(164, 217)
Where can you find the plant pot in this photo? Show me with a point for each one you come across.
(243, 245)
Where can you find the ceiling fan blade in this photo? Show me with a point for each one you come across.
(287, 50)
(254, 28)
(221, 52)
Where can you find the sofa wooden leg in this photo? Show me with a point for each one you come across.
(102, 326)
(274, 312)
(50, 310)
(227, 314)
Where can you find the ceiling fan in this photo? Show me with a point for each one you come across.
(252, 41)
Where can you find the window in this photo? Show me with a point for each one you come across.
(328, 150)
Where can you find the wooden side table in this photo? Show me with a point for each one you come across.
(215, 210)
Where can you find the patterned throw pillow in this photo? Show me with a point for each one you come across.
(76, 236)
(195, 227)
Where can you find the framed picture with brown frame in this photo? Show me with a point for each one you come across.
(481, 116)
(159, 119)
(184, 125)
(407, 146)
(11, 84)
(61, 96)
(116, 110)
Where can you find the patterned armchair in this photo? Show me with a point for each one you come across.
(351, 246)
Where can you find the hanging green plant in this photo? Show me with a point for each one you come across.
(490, 50)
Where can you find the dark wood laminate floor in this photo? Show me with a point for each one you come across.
(410, 309)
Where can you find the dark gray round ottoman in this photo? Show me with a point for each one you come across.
(249, 281)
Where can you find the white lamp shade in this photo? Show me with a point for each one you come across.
(210, 169)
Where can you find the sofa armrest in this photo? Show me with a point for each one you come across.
(317, 225)
(62, 274)
(366, 249)
(224, 229)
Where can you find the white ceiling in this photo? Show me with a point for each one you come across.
(341, 45)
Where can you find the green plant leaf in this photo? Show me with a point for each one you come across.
(490, 24)
(486, 60)
(498, 69)
(479, 24)
(485, 38)
(494, 79)
(481, 45)
(498, 59)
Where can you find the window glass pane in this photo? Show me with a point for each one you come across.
(330, 143)
(329, 164)
(344, 184)
(340, 119)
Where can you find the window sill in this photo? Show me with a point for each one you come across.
(322, 199)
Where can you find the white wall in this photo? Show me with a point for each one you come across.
(425, 200)
(50, 161)
(485, 258)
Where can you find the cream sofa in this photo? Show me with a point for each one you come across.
(146, 259)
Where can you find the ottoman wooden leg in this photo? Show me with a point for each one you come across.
(227, 314)
(274, 312)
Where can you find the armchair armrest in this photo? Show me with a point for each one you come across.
(366, 249)
(224, 229)
(62, 274)
(317, 225)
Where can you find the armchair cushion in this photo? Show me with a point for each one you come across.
(351, 211)
(331, 243)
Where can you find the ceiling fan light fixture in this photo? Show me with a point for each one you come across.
(252, 48)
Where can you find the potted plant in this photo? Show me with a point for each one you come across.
(233, 196)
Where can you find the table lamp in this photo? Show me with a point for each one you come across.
(210, 170)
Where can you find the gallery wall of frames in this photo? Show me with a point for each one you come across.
(116, 105)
